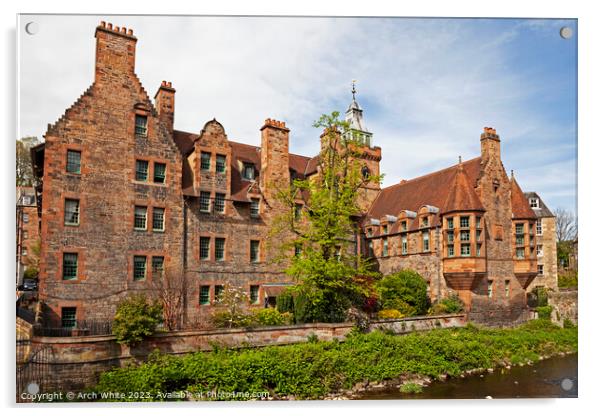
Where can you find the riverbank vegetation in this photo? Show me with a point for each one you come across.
(315, 369)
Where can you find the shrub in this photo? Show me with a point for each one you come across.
(228, 319)
(271, 317)
(405, 291)
(567, 323)
(544, 312)
(568, 280)
(136, 318)
(411, 388)
(231, 314)
(285, 302)
(389, 314)
(451, 304)
(320, 305)
(541, 294)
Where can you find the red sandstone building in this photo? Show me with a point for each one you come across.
(126, 198)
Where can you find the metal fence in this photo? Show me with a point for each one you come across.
(81, 328)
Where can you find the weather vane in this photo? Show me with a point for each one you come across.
(353, 88)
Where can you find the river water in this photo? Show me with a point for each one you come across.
(551, 378)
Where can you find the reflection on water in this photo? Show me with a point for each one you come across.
(554, 377)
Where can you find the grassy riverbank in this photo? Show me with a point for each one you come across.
(315, 369)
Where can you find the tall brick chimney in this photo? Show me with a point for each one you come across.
(490, 145)
(274, 159)
(165, 101)
(115, 52)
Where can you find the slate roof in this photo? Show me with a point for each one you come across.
(543, 211)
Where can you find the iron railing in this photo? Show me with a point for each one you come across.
(81, 328)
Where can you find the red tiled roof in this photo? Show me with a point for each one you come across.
(462, 196)
(184, 141)
(430, 189)
(520, 206)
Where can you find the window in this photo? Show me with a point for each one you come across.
(205, 201)
(141, 170)
(478, 235)
(220, 164)
(369, 231)
(370, 248)
(538, 227)
(24, 251)
(464, 235)
(404, 245)
(254, 207)
(69, 266)
(450, 250)
(534, 202)
(220, 203)
(450, 223)
(68, 317)
(478, 250)
(539, 250)
(219, 249)
(25, 235)
(139, 267)
(158, 219)
(141, 123)
(385, 247)
(540, 269)
(205, 161)
(519, 228)
(159, 172)
(478, 222)
(248, 171)
(450, 237)
(25, 217)
(157, 266)
(464, 222)
(465, 250)
(385, 229)
(140, 218)
(254, 294)
(425, 221)
(425, 241)
(71, 211)
(520, 253)
(507, 288)
(204, 295)
(490, 288)
(219, 289)
(254, 252)
(404, 226)
(298, 208)
(205, 241)
(297, 250)
(74, 161)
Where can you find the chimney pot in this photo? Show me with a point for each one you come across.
(123, 30)
(103, 23)
(110, 26)
(130, 32)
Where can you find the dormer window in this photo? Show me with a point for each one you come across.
(141, 125)
(385, 229)
(369, 231)
(248, 171)
(404, 226)
(425, 222)
(534, 202)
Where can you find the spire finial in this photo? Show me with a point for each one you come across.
(512, 173)
(353, 88)
(460, 159)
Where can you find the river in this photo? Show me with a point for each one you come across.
(551, 378)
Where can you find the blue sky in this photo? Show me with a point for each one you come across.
(427, 86)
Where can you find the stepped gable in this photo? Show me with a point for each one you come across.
(431, 189)
(520, 205)
(462, 196)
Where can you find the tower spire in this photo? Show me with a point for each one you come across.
(353, 89)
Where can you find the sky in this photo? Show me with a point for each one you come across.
(427, 86)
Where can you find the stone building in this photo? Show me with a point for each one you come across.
(126, 198)
(545, 229)
(27, 228)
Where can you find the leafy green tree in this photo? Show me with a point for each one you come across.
(405, 291)
(136, 318)
(24, 171)
(331, 275)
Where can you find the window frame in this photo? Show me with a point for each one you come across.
(71, 318)
(164, 177)
(255, 209)
(463, 252)
(205, 164)
(206, 239)
(467, 218)
(138, 178)
(73, 269)
(254, 294)
(71, 214)
(202, 196)
(248, 167)
(136, 261)
(220, 167)
(136, 209)
(68, 163)
(155, 211)
(219, 203)
(426, 242)
(254, 251)
(216, 246)
(139, 126)
(156, 273)
(208, 294)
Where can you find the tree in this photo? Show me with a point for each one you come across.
(405, 291)
(24, 170)
(136, 318)
(331, 275)
(566, 225)
(171, 291)
(233, 301)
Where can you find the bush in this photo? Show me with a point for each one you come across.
(405, 291)
(227, 319)
(541, 294)
(31, 273)
(544, 312)
(451, 304)
(320, 306)
(568, 280)
(285, 302)
(271, 317)
(389, 314)
(567, 323)
(136, 318)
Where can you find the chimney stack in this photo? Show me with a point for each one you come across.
(165, 101)
(115, 52)
(490, 144)
(275, 173)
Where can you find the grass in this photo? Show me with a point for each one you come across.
(411, 388)
(313, 369)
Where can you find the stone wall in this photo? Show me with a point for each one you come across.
(77, 361)
(565, 304)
